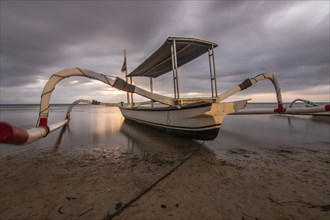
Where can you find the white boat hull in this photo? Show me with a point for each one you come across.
(200, 121)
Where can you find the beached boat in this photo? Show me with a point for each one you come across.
(193, 117)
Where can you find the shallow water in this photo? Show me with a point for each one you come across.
(97, 127)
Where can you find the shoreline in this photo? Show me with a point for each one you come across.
(238, 184)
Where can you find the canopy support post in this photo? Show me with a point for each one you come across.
(175, 70)
(131, 82)
(214, 86)
(151, 90)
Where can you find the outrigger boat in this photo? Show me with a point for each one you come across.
(195, 117)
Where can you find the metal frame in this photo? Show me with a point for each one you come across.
(175, 70)
(131, 82)
(151, 90)
(174, 61)
(213, 77)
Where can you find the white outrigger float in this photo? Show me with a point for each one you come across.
(196, 117)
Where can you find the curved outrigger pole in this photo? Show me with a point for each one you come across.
(250, 82)
(117, 83)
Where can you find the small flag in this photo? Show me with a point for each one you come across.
(124, 67)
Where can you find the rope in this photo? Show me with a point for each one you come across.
(106, 78)
(307, 102)
(82, 72)
(110, 76)
(124, 206)
(63, 77)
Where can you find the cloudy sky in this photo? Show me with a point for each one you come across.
(287, 38)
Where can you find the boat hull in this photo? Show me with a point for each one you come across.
(200, 121)
(209, 134)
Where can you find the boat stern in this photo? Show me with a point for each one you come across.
(219, 110)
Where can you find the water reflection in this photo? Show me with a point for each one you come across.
(144, 139)
(60, 138)
(96, 127)
(271, 132)
(105, 128)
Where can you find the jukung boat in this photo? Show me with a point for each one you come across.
(194, 117)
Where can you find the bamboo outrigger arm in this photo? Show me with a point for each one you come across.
(249, 82)
(318, 110)
(280, 108)
(94, 102)
(14, 135)
(115, 82)
(89, 102)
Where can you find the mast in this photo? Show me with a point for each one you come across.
(124, 69)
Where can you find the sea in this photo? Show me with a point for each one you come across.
(100, 127)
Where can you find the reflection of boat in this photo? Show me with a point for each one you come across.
(145, 139)
(195, 117)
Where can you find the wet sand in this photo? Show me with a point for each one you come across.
(94, 183)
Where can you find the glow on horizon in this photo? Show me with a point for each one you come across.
(109, 94)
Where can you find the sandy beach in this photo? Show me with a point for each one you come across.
(94, 184)
(102, 167)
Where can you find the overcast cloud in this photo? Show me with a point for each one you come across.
(287, 38)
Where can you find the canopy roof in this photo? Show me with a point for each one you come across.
(160, 62)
